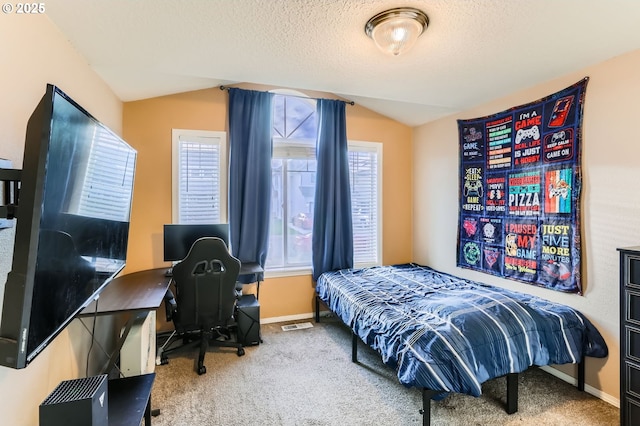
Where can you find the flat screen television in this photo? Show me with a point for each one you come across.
(178, 238)
(72, 228)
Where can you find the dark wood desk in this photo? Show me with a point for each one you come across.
(138, 291)
(134, 294)
(251, 268)
(129, 400)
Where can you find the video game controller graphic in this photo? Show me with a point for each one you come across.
(560, 189)
(473, 188)
(533, 133)
(558, 137)
(473, 135)
(556, 270)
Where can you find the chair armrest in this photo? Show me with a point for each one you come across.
(170, 305)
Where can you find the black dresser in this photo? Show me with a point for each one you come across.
(630, 336)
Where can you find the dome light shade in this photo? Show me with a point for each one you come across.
(394, 31)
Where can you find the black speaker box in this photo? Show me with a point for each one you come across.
(248, 318)
(80, 402)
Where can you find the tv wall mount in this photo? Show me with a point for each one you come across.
(10, 179)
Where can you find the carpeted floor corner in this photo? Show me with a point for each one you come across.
(306, 378)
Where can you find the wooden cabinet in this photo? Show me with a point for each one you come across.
(630, 336)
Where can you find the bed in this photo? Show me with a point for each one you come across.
(446, 334)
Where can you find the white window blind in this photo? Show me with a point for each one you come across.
(106, 191)
(365, 178)
(199, 164)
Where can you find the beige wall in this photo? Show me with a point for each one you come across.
(611, 164)
(147, 126)
(32, 54)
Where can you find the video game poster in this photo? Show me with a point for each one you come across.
(519, 185)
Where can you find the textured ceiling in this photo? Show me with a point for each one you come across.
(473, 50)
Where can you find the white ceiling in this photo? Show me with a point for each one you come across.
(473, 50)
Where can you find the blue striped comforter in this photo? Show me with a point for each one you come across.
(449, 334)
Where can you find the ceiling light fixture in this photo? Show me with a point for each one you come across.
(395, 30)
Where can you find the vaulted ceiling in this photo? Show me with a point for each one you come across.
(473, 51)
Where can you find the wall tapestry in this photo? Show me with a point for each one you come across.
(520, 184)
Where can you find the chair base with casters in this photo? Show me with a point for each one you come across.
(204, 309)
(198, 338)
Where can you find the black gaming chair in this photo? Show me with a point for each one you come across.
(205, 300)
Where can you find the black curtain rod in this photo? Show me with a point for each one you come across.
(298, 96)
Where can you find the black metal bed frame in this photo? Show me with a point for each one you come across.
(511, 405)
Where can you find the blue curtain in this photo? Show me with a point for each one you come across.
(249, 174)
(332, 243)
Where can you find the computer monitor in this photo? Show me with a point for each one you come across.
(178, 238)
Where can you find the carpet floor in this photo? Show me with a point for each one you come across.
(305, 377)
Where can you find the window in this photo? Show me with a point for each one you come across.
(293, 182)
(293, 171)
(199, 169)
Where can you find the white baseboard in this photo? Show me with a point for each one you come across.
(589, 389)
(293, 317)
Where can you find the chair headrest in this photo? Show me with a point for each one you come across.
(208, 255)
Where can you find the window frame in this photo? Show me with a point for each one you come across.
(372, 147)
(352, 145)
(304, 148)
(223, 168)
